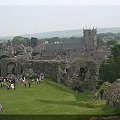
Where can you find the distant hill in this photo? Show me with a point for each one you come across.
(69, 33)
(63, 33)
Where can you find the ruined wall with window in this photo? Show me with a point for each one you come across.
(10, 66)
(79, 75)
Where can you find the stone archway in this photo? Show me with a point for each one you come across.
(11, 68)
(13, 71)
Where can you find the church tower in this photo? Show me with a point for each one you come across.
(90, 39)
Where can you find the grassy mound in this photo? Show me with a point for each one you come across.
(50, 99)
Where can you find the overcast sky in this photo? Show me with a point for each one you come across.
(60, 2)
(32, 16)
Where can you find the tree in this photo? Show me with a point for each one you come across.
(34, 41)
(21, 40)
(104, 87)
(111, 42)
(9, 43)
(110, 70)
(116, 52)
(100, 41)
(17, 40)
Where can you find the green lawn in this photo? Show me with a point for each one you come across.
(50, 99)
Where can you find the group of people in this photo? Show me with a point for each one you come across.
(39, 79)
(11, 84)
(8, 83)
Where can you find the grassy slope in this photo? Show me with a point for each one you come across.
(50, 99)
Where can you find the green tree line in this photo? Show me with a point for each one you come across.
(110, 69)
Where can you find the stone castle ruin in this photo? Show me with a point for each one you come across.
(112, 94)
(79, 75)
(76, 68)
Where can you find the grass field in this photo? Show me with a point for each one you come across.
(50, 99)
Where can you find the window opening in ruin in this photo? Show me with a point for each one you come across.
(13, 71)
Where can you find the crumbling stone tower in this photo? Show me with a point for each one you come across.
(90, 39)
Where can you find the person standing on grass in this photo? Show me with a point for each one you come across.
(39, 78)
(42, 78)
(1, 110)
(29, 84)
(14, 83)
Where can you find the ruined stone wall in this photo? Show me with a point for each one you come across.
(49, 68)
(18, 66)
(112, 95)
(10, 66)
(66, 52)
(79, 75)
